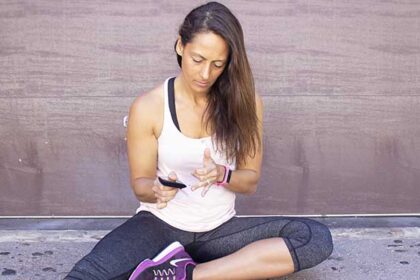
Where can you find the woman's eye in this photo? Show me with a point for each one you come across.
(218, 66)
(197, 61)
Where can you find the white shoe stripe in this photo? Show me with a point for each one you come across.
(174, 262)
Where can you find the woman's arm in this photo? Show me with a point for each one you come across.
(246, 176)
(142, 146)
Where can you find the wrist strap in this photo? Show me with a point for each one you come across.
(226, 176)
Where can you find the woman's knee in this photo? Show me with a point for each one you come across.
(323, 239)
(319, 247)
(311, 241)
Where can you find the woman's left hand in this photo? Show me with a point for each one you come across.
(208, 174)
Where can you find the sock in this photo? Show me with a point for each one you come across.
(190, 269)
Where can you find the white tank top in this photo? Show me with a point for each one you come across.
(188, 210)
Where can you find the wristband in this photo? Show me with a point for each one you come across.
(226, 176)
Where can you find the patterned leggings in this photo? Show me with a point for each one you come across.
(144, 235)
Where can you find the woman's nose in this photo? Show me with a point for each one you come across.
(205, 72)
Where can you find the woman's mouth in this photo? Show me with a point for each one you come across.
(202, 84)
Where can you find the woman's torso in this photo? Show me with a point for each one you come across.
(182, 154)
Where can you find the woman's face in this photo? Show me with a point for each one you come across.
(203, 60)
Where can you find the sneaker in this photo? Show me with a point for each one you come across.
(170, 264)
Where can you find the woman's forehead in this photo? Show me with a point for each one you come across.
(209, 45)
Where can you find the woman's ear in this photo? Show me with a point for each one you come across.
(179, 47)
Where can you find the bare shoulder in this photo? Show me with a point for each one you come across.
(149, 101)
(147, 108)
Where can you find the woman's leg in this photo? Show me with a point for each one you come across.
(118, 253)
(260, 247)
(259, 260)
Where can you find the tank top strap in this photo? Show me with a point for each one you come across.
(166, 101)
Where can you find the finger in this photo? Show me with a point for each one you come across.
(202, 171)
(196, 175)
(207, 190)
(161, 205)
(166, 199)
(199, 185)
(212, 173)
(156, 186)
(165, 195)
(199, 173)
(196, 186)
(169, 194)
(207, 157)
(204, 191)
(163, 188)
(204, 183)
(172, 176)
(158, 198)
(160, 202)
(157, 192)
(162, 199)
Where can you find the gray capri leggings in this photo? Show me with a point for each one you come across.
(144, 235)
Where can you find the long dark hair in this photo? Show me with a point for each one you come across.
(231, 109)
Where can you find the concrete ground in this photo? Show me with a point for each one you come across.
(364, 248)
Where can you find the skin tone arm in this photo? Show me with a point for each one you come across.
(245, 178)
(142, 153)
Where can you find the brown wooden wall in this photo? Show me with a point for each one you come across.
(340, 82)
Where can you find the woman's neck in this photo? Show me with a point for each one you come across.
(184, 91)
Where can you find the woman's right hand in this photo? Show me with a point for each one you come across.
(163, 193)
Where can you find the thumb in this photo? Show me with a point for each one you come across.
(172, 176)
(207, 156)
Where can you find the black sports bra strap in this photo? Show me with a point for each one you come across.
(171, 99)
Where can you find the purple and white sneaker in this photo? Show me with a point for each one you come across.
(170, 264)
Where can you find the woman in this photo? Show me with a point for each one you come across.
(204, 129)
